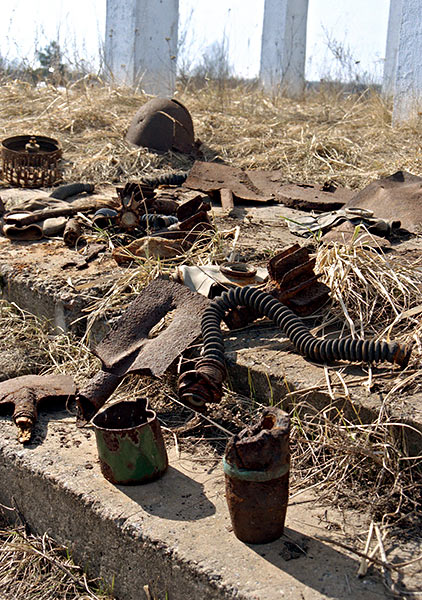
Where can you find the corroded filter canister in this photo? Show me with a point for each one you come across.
(130, 443)
(256, 466)
(31, 161)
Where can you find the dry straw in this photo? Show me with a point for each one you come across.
(328, 135)
(26, 559)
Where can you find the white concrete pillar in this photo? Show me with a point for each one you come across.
(283, 46)
(393, 37)
(408, 80)
(141, 44)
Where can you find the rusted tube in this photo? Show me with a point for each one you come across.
(256, 466)
(95, 394)
(72, 232)
(71, 189)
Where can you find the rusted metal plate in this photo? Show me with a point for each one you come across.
(314, 197)
(263, 186)
(212, 177)
(128, 349)
(394, 198)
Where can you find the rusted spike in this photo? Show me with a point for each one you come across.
(227, 202)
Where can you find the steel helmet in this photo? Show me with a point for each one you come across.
(162, 124)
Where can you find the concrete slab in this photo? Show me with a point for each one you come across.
(174, 534)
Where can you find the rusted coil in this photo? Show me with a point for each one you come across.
(264, 304)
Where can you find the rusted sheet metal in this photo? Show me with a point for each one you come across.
(394, 198)
(127, 347)
(263, 186)
(196, 223)
(192, 206)
(256, 467)
(95, 394)
(212, 177)
(314, 197)
(26, 392)
(292, 280)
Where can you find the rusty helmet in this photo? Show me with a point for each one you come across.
(162, 124)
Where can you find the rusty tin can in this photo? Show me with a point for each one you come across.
(130, 443)
(256, 467)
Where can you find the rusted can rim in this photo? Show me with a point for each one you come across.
(150, 416)
(238, 270)
(257, 476)
(16, 145)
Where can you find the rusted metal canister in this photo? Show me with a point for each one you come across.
(256, 466)
(130, 443)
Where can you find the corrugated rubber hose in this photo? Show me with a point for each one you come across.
(210, 369)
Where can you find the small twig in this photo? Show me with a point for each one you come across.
(176, 442)
(199, 414)
(376, 561)
(388, 582)
(363, 567)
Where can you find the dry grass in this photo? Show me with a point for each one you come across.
(325, 136)
(36, 568)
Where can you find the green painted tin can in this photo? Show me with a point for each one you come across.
(130, 443)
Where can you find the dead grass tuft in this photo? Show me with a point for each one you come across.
(328, 135)
(26, 559)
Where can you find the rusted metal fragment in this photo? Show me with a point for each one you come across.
(394, 198)
(157, 246)
(212, 177)
(314, 197)
(128, 349)
(26, 392)
(72, 232)
(164, 206)
(292, 280)
(198, 203)
(256, 466)
(196, 223)
(227, 202)
(95, 394)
